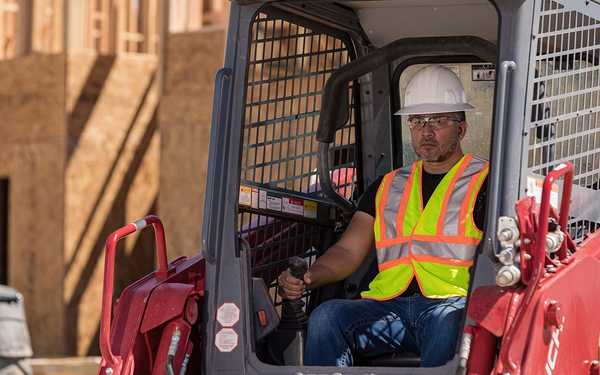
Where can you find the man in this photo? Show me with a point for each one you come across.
(423, 220)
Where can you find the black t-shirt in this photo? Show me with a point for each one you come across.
(430, 181)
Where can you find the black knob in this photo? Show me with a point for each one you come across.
(298, 267)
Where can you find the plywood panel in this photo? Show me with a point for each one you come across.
(184, 117)
(32, 134)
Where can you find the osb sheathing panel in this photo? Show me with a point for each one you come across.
(32, 134)
(111, 179)
(184, 117)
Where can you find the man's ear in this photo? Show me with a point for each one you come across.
(462, 129)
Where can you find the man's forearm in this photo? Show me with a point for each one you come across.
(335, 265)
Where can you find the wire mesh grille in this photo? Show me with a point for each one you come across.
(288, 66)
(565, 105)
(287, 70)
(273, 241)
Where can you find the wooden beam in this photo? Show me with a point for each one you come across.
(105, 26)
(163, 31)
(23, 28)
(129, 28)
(122, 26)
(152, 27)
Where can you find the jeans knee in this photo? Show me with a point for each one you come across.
(325, 314)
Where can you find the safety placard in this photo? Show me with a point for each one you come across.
(293, 206)
(262, 199)
(483, 72)
(273, 203)
(245, 196)
(255, 199)
(226, 340)
(310, 209)
(228, 314)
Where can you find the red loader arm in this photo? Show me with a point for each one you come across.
(153, 317)
(546, 323)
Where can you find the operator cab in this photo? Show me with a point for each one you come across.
(323, 80)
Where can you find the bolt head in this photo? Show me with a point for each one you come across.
(554, 315)
(508, 276)
(505, 235)
(506, 257)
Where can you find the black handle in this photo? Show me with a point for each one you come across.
(298, 267)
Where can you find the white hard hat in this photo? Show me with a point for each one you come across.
(434, 89)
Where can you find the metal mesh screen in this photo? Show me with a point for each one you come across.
(287, 70)
(564, 104)
(288, 66)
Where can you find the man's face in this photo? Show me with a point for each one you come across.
(436, 137)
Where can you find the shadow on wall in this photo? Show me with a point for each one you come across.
(86, 101)
(132, 266)
(112, 179)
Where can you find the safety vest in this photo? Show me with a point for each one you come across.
(437, 243)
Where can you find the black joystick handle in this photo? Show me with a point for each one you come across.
(293, 315)
(298, 267)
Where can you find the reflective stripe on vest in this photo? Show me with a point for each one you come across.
(436, 243)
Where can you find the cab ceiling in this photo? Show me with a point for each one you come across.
(387, 20)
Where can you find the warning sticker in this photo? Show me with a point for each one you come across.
(226, 340)
(228, 314)
(310, 209)
(483, 72)
(293, 206)
(262, 199)
(534, 189)
(254, 198)
(245, 196)
(273, 203)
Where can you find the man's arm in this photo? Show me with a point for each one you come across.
(338, 262)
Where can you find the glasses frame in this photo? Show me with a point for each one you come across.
(428, 121)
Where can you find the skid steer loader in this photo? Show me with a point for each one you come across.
(303, 122)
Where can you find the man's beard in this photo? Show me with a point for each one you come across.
(442, 156)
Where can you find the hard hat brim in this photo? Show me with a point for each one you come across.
(429, 108)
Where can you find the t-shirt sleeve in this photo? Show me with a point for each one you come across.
(366, 202)
(480, 205)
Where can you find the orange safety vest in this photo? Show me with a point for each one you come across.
(436, 243)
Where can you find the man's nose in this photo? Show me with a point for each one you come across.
(427, 130)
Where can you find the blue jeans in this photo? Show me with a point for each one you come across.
(339, 329)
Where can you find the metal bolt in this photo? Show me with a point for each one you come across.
(505, 235)
(508, 276)
(554, 315)
(553, 241)
(506, 257)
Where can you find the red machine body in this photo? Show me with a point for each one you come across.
(546, 324)
(150, 332)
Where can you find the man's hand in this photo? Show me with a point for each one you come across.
(290, 287)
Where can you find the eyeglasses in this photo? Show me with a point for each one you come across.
(436, 123)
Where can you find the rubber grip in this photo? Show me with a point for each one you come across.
(298, 267)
